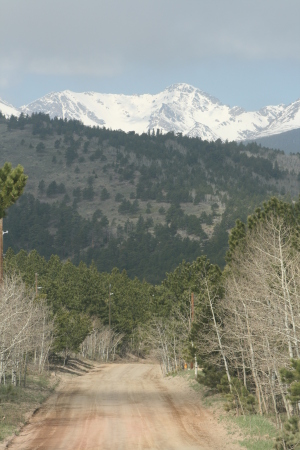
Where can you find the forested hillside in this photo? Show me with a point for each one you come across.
(140, 203)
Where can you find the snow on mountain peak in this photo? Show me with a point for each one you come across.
(180, 108)
(8, 110)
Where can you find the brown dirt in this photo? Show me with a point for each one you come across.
(123, 406)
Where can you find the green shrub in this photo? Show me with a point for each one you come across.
(238, 398)
(290, 436)
(40, 147)
(104, 194)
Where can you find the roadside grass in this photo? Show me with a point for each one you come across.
(257, 432)
(17, 402)
(253, 432)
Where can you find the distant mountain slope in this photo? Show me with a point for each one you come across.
(180, 108)
(8, 110)
(289, 141)
(288, 119)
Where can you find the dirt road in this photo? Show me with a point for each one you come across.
(123, 407)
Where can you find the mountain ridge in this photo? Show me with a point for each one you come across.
(180, 108)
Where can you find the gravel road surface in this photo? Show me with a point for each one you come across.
(122, 407)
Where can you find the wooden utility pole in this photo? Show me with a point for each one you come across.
(192, 307)
(1, 251)
(192, 318)
(109, 315)
(36, 284)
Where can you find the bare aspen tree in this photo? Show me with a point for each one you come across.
(261, 310)
(101, 343)
(216, 328)
(25, 326)
(167, 340)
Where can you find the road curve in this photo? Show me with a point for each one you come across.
(122, 407)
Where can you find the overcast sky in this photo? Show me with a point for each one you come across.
(244, 52)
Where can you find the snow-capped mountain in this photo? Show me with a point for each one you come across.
(288, 119)
(8, 110)
(180, 108)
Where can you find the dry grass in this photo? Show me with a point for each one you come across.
(16, 403)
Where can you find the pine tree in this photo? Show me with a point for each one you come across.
(12, 183)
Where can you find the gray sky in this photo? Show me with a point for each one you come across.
(244, 52)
